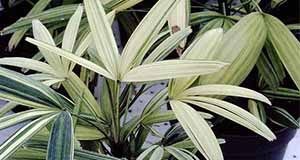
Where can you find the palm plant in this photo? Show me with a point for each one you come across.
(263, 42)
(59, 125)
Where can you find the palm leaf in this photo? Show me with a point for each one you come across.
(198, 130)
(61, 142)
(286, 45)
(169, 69)
(23, 135)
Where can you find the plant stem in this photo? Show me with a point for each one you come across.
(117, 111)
(257, 7)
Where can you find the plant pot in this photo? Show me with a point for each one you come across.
(255, 147)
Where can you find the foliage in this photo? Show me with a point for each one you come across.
(205, 72)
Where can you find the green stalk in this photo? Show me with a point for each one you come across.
(116, 114)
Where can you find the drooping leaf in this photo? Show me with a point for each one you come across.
(21, 89)
(16, 118)
(226, 90)
(286, 45)
(234, 113)
(198, 130)
(283, 118)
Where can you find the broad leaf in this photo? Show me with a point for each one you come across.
(286, 45)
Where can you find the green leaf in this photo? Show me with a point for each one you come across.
(283, 118)
(258, 110)
(23, 135)
(61, 142)
(102, 35)
(234, 113)
(169, 69)
(16, 118)
(7, 107)
(87, 133)
(119, 5)
(21, 89)
(224, 90)
(198, 130)
(286, 45)
(56, 14)
(18, 35)
(80, 93)
(144, 35)
(283, 94)
(81, 61)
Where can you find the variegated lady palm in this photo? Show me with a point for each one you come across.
(82, 118)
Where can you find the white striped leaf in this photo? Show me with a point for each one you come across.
(70, 33)
(179, 18)
(157, 154)
(144, 154)
(144, 35)
(224, 90)
(81, 61)
(102, 35)
(28, 64)
(169, 69)
(198, 130)
(234, 113)
(16, 118)
(167, 46)
(41, 33)
(203, 48)
(21, 89)
(241, 47)
(61, 141)
(23, 135)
